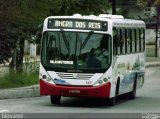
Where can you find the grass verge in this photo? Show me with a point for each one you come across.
(29, 75)
(13, 80)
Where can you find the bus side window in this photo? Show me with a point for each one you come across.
(116, 41)
(140, 45)
(128, 40)
(125, 40)
(142, 37)
(136, 47)
(133, 41)
(115, 44)
(137, 40)
(122, 41)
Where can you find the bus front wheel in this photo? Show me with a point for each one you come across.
(112, 101)
(55, 99)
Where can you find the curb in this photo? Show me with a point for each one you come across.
(34, 91)
(23, 92)
(152, 64)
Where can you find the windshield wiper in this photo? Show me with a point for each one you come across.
(86, 40)
(65, 40)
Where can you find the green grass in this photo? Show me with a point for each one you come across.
(29, 75)
(13, 80)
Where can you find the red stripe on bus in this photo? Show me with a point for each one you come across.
(75, 91)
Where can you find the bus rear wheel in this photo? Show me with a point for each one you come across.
(55, 99)
(132, 95)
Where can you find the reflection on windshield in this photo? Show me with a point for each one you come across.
(76, 50)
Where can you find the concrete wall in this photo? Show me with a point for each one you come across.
(150, 50)
(150, 36)
(30, 49)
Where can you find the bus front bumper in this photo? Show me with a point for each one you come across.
(75, 91)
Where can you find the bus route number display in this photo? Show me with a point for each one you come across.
(77, 24)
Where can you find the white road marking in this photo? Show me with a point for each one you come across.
(2, 111)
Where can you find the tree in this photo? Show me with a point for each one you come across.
(144, 3)
(84, 7)
(156, 4)
(19, 20)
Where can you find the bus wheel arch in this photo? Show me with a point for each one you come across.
(112, 101)
(132, 94)
(117, 87)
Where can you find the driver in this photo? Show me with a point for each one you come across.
(102, 50)
(100, 54)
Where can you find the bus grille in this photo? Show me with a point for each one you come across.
(80, 76)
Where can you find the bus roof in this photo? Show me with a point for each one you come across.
(117, 20)
(102, 17)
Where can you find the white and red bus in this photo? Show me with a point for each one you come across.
(92, 56)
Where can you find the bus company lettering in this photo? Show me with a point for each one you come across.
(68, 24)
(77, 24)
(94, 25)
(80, 24)
(91, 25)
(60, 62)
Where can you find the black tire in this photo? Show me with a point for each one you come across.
(55, 99)
(112, 101)
(117, 87)
(132, 95)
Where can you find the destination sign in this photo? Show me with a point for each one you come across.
(77, 24)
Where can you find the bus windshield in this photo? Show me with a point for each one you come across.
(76, 50)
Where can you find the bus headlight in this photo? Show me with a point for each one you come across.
(48, 79)
(102, 80)
(105, 79)
(45, 77)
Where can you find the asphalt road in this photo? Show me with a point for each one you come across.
(147, 101)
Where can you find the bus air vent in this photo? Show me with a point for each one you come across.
(80, 76)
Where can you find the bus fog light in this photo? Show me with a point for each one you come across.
(105, 79)
(100, 81)
(48, 79)
(44, 77)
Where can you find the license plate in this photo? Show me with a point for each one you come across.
(74, 91)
